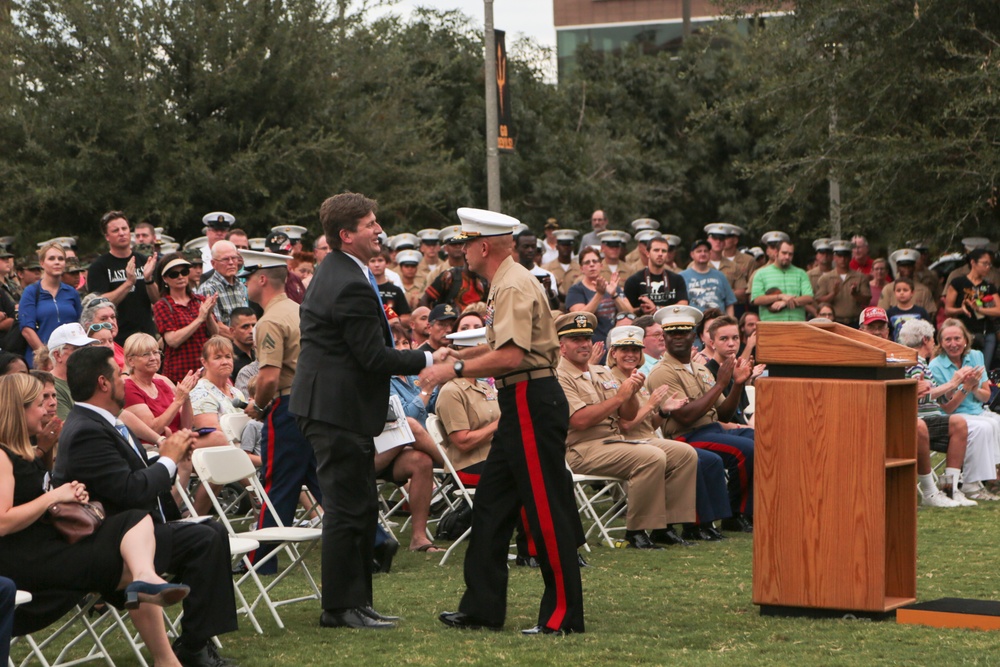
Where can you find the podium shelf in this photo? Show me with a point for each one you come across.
(899, 463)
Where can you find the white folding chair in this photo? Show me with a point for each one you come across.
(458, 489)
(79, 614)
(232, 426)
(610, 491)
(751, 399)
(222, 465)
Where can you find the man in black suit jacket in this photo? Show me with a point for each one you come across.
(340, 396)
(117, 472)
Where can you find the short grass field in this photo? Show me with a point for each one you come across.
(679, 606)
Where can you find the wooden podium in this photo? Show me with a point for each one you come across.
(835, 472)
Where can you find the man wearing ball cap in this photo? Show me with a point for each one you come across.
(526, 466)
(661, 474)
(701, 422)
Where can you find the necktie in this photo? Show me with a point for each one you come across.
(121, 428)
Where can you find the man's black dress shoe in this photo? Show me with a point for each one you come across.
(456, 619)
(371, 613)
(384, 554)
(701, 531)
(206, 656)
(542, 630)
(711, 534)
(668, 536)
(580, 561)
(737, 524)
(352, 618)
(526, 561)
(638, 539)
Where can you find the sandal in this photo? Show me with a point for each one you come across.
(429, 548)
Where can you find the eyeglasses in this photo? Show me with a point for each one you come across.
(100, 302)
(147, 355)
(233, 258)
(177, 273)
(99, 326)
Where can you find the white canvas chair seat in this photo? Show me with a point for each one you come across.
(223, 465)
(602, 506)
(458, 489)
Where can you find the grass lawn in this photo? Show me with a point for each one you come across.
(679, 606)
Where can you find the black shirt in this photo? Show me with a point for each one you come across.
(135, 312)
(241, 359)
(663, 289)
(394, 297)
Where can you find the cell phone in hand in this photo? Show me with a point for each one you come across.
(204, 431)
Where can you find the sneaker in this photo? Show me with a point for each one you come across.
(981, 494)
(960, 498)
(937, 499)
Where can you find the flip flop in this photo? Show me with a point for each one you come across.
(429, 548)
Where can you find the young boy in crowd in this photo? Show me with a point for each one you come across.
(904, 309)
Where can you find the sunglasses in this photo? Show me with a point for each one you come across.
(624, 316)
(99, 326)
(177, 273)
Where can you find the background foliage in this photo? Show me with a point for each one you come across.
(169, 110)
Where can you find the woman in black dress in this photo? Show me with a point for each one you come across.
(117, 557)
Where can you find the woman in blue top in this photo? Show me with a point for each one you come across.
(47, 302)
(603, 298)
(956, 358)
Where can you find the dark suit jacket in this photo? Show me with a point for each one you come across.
(347, 353)
(95, 453)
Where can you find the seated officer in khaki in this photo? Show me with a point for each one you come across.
(661, 474)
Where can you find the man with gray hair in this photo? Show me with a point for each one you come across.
(232, 293)
(969, 444)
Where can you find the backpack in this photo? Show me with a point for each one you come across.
(454, 523)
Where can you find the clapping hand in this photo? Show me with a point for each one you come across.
(184, 387)
(669, 403)
(596, 353)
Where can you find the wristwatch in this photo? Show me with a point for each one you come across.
(663, 415)
(459, 367)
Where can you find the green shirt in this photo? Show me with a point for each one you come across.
(793, 281)
(65, 400)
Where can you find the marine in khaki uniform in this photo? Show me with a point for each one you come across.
(661, 474)
(564, 268)
(734, 273)
(637, 259)
(823, 263)
(526, 467)
(470, 412)
(848, 291)
(408, 262)
(287, 459)
(612, 248)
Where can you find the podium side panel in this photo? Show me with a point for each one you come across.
(819, 467)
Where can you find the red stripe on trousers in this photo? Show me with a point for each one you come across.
(740, 464)
(541, 503)
(269, 471)
(532, 549)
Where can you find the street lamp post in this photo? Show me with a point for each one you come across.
(492, 152)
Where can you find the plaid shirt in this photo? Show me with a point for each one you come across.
(230, 296)
(169, 316)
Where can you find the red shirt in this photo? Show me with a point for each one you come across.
(134, 395)
(169, 316)
(865, 268)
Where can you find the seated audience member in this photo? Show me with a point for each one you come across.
(971, 447)
(702, 342)
(101, 314)
(469, 320)
(723, 335)
(303, 264)
(905, 309)
(748, 327)
(955, 353)
(661, 474)
(826, 312)
(96, 450)
(184, 319)
(440, 322)
(653, 340)
(161, 404)
(705, 420)
(469, 413)
(118, 557)
(419, 326)
(711, 499)
(413, 464)
(46, 443)
(8, 601)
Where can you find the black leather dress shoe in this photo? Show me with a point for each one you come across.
(371, 613)
(352, 618)
(456, 619)
(384, 554)
(580, 561)
(206, 656)
(737, 524)
(638, 539)
(710, 533)
(526, 561)
(542, 630)
(668, 536)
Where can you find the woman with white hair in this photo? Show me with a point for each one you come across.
(956, 364)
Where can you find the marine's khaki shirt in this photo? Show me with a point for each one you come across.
(694, 384)
(582, 391)
(845, 307)
(517, 311)
(465, 404)
(277, 338)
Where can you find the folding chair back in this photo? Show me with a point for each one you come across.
(222, 465)
(436, 430)
(233, 425)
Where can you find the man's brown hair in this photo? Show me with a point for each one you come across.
(344, 211)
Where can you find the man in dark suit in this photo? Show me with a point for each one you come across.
(340, 396)
(96, 449)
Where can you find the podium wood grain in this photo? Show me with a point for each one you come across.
(835, 480)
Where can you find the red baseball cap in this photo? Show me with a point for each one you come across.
(873, 314)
